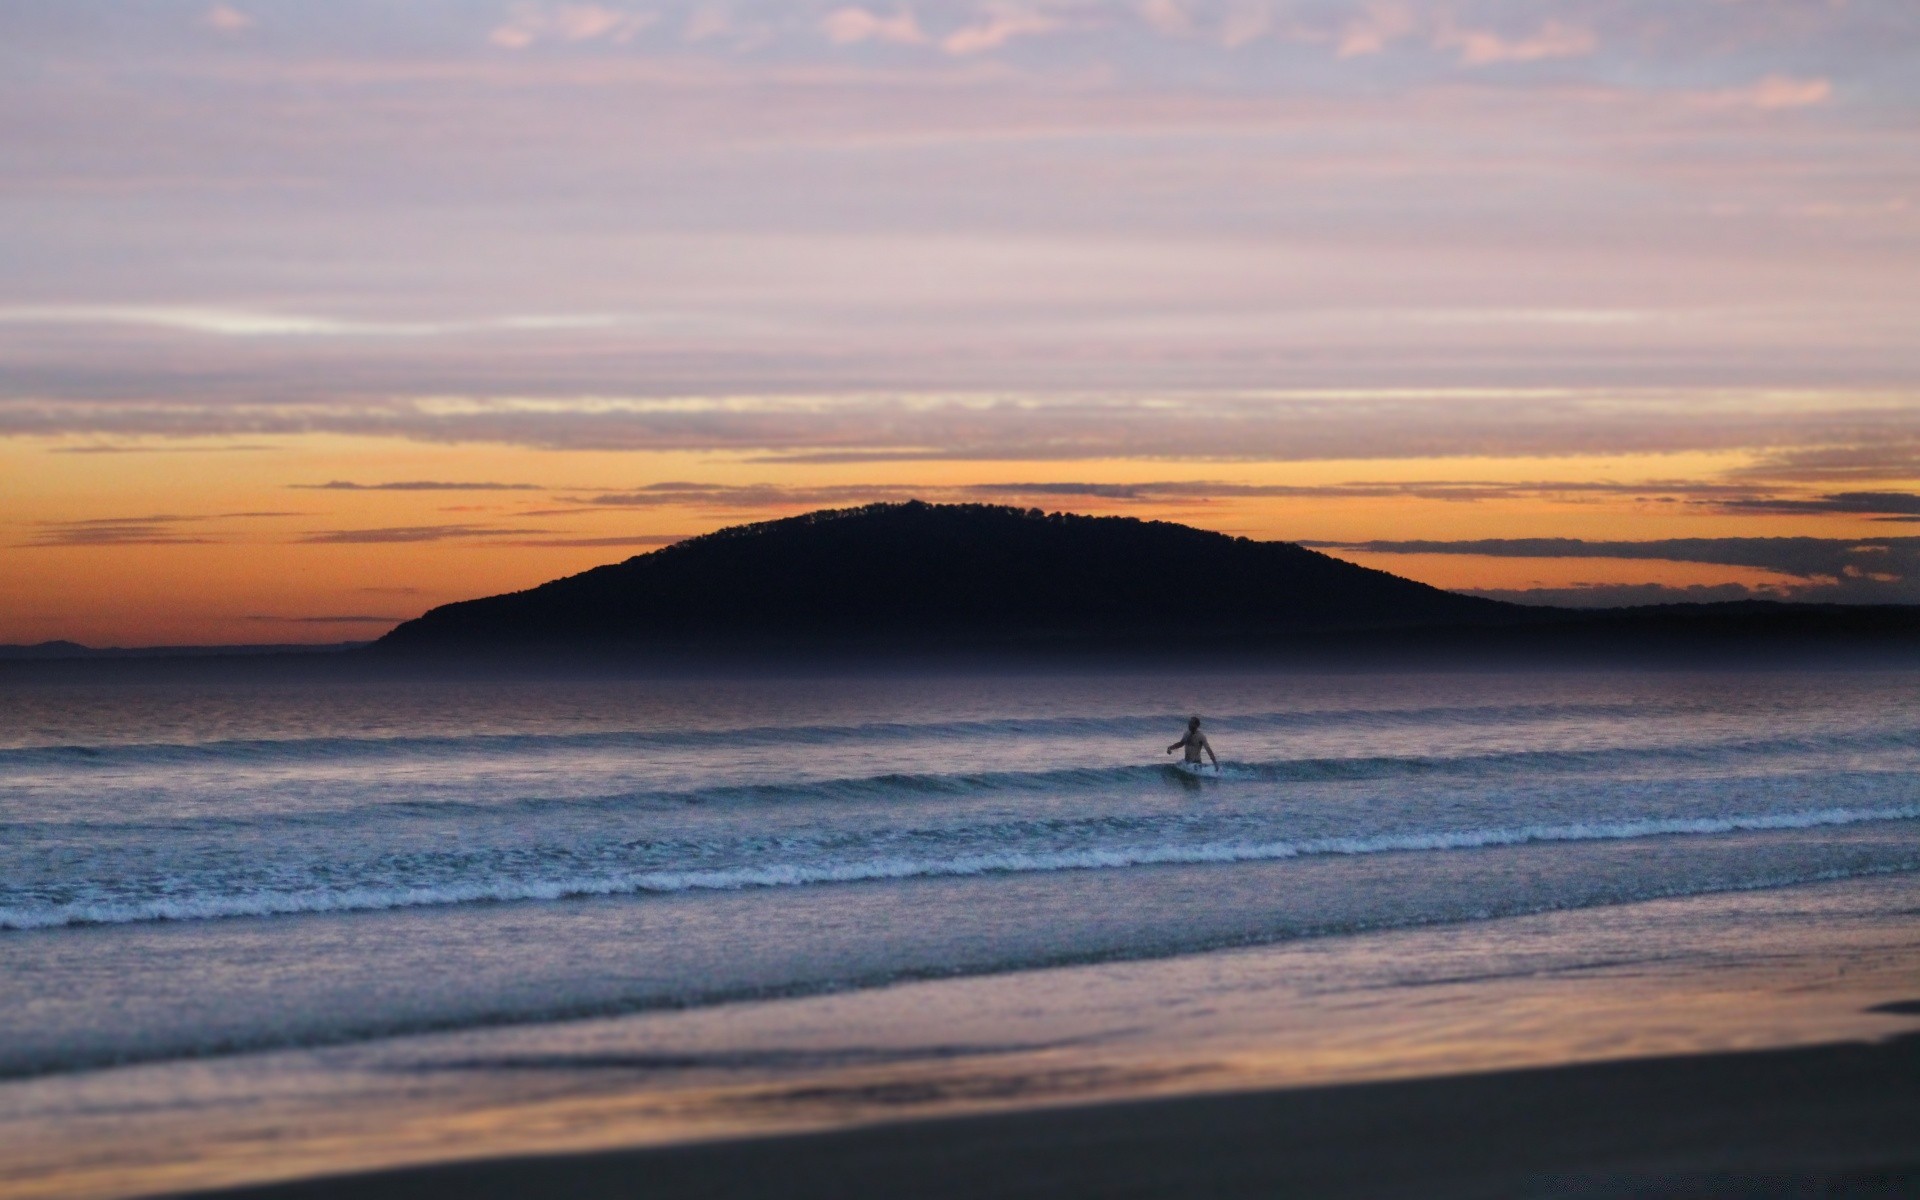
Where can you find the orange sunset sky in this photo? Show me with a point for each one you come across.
(315, 316)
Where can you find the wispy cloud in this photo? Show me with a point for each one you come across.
(226, 19)
(745, 497)
(394, 534)
(158, 448)
(1483, 47)
(637, 540)
(1773, 92)
(735, 497)
(1624, 595)
(1891, 456)
(157, 530)
(1002, 24)
(416, 485)
(1169, 17)
(1836, 434)
(1831, 570)
(852, 25)
(1883, 560)
(1245, 23)
(1375, 28)
(1863, 503)
(244, 323)
(533, 23)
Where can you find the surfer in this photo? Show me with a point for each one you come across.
(1195, 742)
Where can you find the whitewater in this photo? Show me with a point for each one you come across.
(191, 869)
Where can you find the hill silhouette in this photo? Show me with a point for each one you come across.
(917, 574)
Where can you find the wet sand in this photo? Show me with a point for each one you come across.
(1839, 1120)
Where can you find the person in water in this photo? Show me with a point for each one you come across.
(1195, 742)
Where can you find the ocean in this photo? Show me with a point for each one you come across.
(190, 871)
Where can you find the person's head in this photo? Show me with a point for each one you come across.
(1193, 723)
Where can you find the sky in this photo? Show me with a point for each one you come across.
(313, 316)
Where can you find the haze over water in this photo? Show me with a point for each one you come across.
(190, 870)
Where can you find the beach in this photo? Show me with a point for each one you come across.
(1834, 1121)
(1491, 927)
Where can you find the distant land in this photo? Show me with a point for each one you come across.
(924, 573)
(916, 583)
(917, 578)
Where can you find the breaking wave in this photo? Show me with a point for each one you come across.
(495, 889)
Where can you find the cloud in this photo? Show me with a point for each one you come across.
(416, 485)
(391, 535)
(662, 539)
(157, 530)
(1892, 456)
(1004, 22)
(1627, 595)
(1376, 28)
(161, 448)
(1245, 23)
(714, 22)
(740, 497)
(1806, 557)
(532, 23)
(1837, 570)
(1169, 17)
(1481, 48)
(1827, 432)
(1773, 92)
(1864, 503)
(243, 323)
(160, 529)
(847, 26)
(748, 496)
(226, 19)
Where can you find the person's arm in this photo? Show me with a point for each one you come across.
(1208, 747)
(1177, 745)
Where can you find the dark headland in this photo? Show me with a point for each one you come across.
(915, 579)
(929, 585)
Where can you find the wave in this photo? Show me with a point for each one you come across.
(260, 751)
(895, 785)
(1727, 758)
(776, 875)
(357, 1028)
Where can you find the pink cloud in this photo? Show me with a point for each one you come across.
(532, 23)
(1480, 48)
(1004, 23)
(846, 26)
(1245, 23)
(706, 23)
(1167, 16)
(226, 20)
(1370, 34)
(1773, 92)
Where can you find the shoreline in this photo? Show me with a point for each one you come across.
(1839, 1119)
(888, 1071)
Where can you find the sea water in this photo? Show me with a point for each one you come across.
(189, 870)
